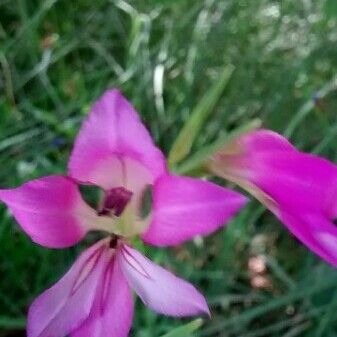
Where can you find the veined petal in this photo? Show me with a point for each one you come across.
(66, 305)
(112, 312)
(186, 207)
(299, 188)
(159, 289)
(51, 211)
(114, 148)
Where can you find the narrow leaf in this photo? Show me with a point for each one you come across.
(183, 144)
(185, 330)
(12, 323)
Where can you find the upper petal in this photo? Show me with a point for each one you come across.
(159, 289)
(112, 312)
(186, 207)
(66, 305)
(50, 210)
(114, 148)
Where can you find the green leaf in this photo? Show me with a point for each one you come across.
(12, 323)
(198, 160)
(183, 144)
(185, 330)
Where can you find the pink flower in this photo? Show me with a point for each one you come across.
(299, 188)
(115, 152)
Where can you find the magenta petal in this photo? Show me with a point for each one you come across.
(112, 312)
(299, 188)
(304, 188)
(66, 305)
(186, 207)
(300, 183)
(50, 210)
(317, 232)
(159, 289)
(235, 159)
(263, 140)
(114, 148)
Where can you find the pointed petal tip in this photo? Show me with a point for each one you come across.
(112, 94)
(240, 200)
(204, 308)
(208, 313)
(113, 90)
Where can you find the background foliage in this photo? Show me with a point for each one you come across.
(57, 56)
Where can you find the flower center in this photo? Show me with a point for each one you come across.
(115, 201)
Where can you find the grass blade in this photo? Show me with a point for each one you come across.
(12, 323)
(183, 144)
(185, 330)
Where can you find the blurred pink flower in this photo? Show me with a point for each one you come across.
(115, 152)
(299, 188)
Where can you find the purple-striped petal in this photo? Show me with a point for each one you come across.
(112, 312)
(66, 305)
(159, 289)
(186, 207)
